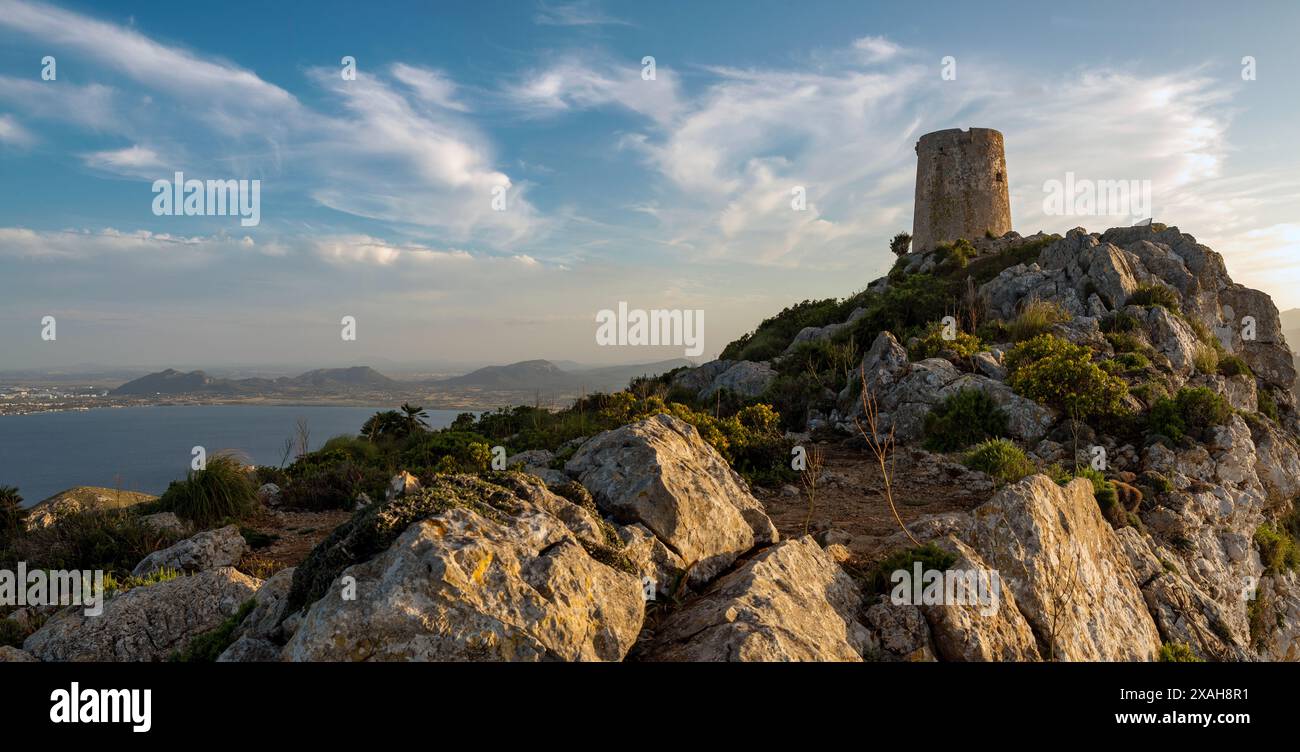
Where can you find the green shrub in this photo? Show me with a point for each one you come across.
(207, 647)
(1205, 358)
(335, 486)
(899, 244)
(955, 255)
(1193, 412)
(774, 334)
(1278, 551)
(1132, 362)
(1232, 365)
(1037, 317)
(114, 540)
(12, 633)
(1177, 652)
(1103, 491)
(964, 418)
(1060, 374)
(1149, 392)
(1123, 342)
(163, 574)
(932, 343)
(1119, 322)
(1268, 405)
(999, 458)
(932, 558)
(1155, 295)
(221, 491)
(11, 514)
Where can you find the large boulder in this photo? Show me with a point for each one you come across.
(460, 586)
(14, 655)
(660, 473)
(790, 602)
(1067, 571)
(209, 549)
(810, 334)
(745, 379)
(257, 638)
(495, 569)
(145, 623)
(968, 630)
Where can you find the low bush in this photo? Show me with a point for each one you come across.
(221, 491)
(1051, 370)
(1267, 404)
(1124, 342)
(1119, 322)
(965, 418)
(1278, 551)
(1037, 317)
(999, 458)
(114, 540)
(931, 557)
(1155, 295)
(932, 343)
(1205, 358)
(1232, 365)
(1177, 652)
(1193, 412)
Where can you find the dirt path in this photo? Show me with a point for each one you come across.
(850, 499)
(289, 537)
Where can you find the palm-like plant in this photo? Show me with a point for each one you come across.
(11, 511)
(415, 418)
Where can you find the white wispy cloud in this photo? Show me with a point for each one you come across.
(13, 133)
(578, 13)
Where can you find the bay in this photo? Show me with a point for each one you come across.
(145, 448)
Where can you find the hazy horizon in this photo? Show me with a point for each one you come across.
(665, 186)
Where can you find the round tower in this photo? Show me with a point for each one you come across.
(961, 187)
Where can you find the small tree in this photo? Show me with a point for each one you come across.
(11, 512)
(900, 243)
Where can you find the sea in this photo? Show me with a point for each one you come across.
(145, 448)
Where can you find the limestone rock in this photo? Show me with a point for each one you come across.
(145, 623)
(969, 631)
(402, 484)
(745, 379)
(209, 549)
(269, 494)
(460, 586)
(898, 633)
(1069, 574)
(166, 522)
(14, 655)
(790, 602)
(660, 473)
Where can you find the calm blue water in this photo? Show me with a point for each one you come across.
(145, 448)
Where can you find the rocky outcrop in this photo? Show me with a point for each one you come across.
(145, 623)
(790, 602)
(166, 523)
(745, 379)
(660, 473)
(258, 636)
(210, 549)
(969, 630)
(1067, 571)
(811, 334)
(906, 392)
(462, 586)
(14, 655)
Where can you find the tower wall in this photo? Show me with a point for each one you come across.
(961, 187)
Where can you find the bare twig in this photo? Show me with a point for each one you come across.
(880, 448)
(809, 475)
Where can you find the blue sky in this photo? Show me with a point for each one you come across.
(666, 193)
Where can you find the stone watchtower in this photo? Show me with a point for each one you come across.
(961, 187)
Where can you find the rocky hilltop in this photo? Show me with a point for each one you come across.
(1103, 423)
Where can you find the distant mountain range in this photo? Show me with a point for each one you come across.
(525, 376)
(172, 381)
(547, 376)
